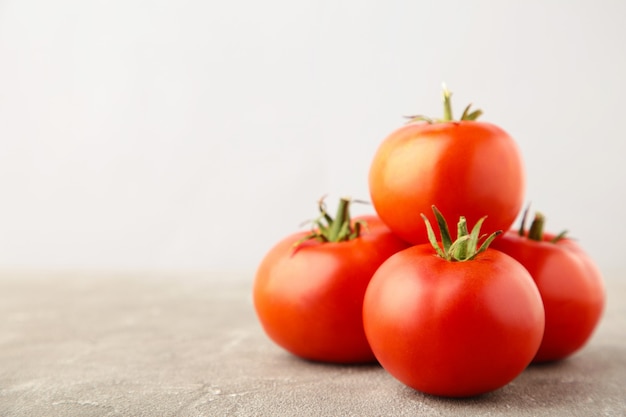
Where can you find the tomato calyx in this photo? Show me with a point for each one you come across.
(338, 229)
(468, 114)
(535, 232)
(465, 247)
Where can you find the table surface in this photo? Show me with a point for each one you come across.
(183, 344)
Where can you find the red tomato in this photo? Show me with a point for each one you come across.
(453, 328)
(463, 167)
(570, 285)
(309, 300)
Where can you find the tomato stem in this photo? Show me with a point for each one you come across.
(465, 247)
(558, 237)
(447, 111)
(462, 245)
(522, 228)
(339, 225)
(338, 229)
(537, 227)
(447, 104)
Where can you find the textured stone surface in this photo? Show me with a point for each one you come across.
(85, 344)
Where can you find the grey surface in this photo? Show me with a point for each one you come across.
(85, 344)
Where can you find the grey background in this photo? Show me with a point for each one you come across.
(193, 135)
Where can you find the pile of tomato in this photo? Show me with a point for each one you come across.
(453, 314)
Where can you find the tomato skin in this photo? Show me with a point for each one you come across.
(571, 287)
(309, 301)
(453, 329)
(464, 168)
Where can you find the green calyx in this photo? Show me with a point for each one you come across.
(536, 228)
(468, 114)
(338, 229)
(466, 246)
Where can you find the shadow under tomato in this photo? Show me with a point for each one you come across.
(293, 360)
(582, 381)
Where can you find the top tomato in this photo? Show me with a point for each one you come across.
(463, 167)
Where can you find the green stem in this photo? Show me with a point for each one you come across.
(462, 245)
(339, 229)
(536, 227)
(558, 237)
(447, 104)
(342, 219)
(465, 247)
(468, 113)
(522, 228)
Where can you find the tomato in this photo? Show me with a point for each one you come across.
(463, 167)
(453, 327)
(309, 298)
(570, 284)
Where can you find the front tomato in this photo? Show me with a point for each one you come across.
(453, 327)
(463, 167)
(308, 294)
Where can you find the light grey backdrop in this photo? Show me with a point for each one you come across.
(195, 134)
